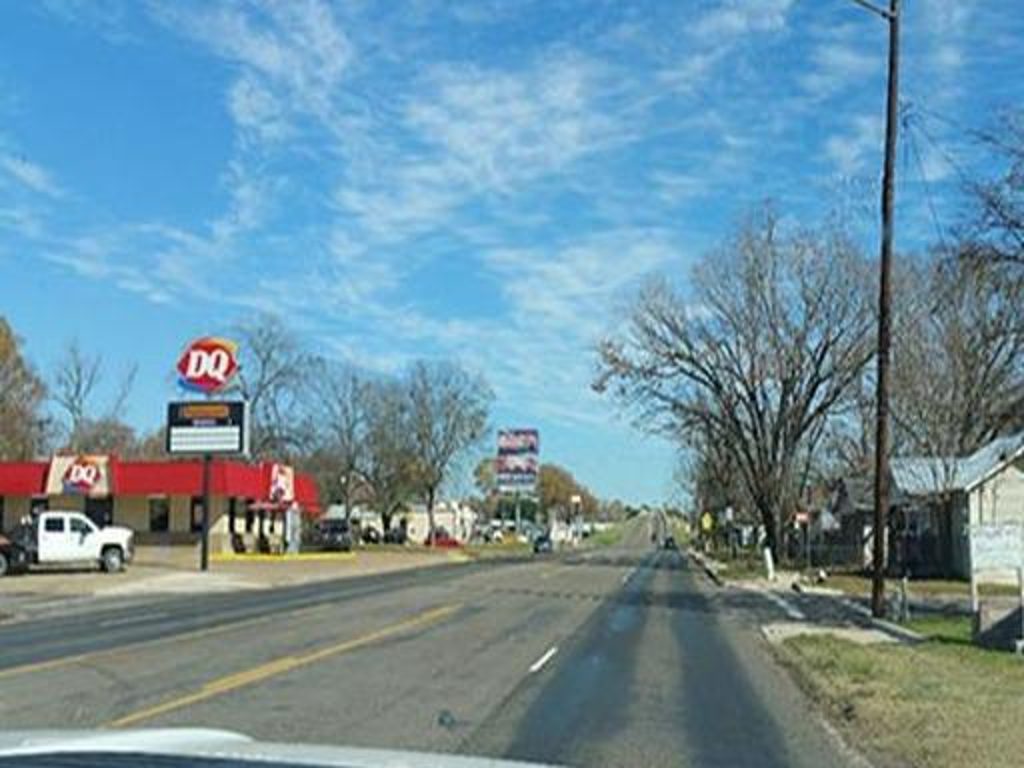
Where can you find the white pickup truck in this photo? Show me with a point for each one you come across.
(57, 537)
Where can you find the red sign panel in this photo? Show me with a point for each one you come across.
(208, 364)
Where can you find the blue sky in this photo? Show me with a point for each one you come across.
(486, 181)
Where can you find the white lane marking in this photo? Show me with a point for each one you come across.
(792, 611)
(132, 620)
(539, 663)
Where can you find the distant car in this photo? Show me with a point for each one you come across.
(13, 557)
(542, 544)
(443, 539)
(395, 536)
(371, 536)
(669, 543)
(334, 535)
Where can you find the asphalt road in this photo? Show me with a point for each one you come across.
(623, 656)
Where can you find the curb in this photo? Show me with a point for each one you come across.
(703, 563)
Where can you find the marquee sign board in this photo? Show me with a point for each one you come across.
(208, 427)
(997, 546)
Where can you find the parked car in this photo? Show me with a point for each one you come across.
(13, 558)
(334, 535)
(59, 537)
(542, 544)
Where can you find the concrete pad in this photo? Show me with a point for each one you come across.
(777, 632)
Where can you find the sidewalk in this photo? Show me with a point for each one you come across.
(809, 610)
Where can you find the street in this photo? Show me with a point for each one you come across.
(618, 656)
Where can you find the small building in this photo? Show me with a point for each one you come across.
(946, 496)
(162, 500)
(934, 502)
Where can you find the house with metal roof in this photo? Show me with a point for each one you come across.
(945, 496)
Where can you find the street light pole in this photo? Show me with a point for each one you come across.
(881, 485)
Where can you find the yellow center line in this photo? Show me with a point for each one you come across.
(63, 661)
(281, 666)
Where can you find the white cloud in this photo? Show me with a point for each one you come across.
(735, 18)
(497, 127)
(837, 66)
(33, 176)
(850, 150)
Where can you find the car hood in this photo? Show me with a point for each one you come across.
(212, 744)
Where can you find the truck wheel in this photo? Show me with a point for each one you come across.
(112, 559)
(4, 565)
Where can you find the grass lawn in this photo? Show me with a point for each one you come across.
(941, 703)
(608, 537)
(511, 548)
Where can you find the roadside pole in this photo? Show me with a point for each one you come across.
(519, 515)
(204, 550)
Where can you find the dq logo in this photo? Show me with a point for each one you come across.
(208, 364)
(82, 475)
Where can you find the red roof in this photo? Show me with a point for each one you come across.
(172, 478)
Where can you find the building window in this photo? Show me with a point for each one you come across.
(197, 514)
(159, 514)
(232, 514)
(100, 511)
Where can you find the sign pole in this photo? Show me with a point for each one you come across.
(204, 551)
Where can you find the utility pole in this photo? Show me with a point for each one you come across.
(881, 486)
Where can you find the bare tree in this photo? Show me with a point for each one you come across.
(959, 378)
(389, 465)
(22, 392)
(340, 406)
(272, 378)
(75, 381)
(995, 228)
(74, 384)
(776, 337)
(448, 410)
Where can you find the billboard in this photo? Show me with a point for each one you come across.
(517, 464)
(207, 426)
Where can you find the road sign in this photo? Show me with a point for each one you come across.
(208, 364)
(707, 522)
(207, 427)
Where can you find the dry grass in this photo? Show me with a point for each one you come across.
(939, 704)
(856, 584)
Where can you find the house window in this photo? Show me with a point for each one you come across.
(159, 514)
(196, 514)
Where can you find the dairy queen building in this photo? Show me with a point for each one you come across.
(162, 500)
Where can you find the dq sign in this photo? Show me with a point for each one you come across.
(208, 364)
(79, 475)
(82, 475)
